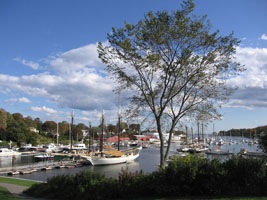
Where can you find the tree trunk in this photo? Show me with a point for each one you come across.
(169, 142)
(162, 158)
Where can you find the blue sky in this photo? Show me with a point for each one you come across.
(49, 63)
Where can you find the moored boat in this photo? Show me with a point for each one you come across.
(245, 152)
(112, 156)
(217, 152)
(42, 157)
(8, 152)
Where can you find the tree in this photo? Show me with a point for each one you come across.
(77, 131)
(173, 65)
(30, 122)
(50, 127)
(3, 117)
(123, 126)
(134, 128)
(39, 123)
(112, 129)
(63, 128)
(18, 117)
(263, 142)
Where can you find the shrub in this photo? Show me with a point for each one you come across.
(245, 176)
(184, 176)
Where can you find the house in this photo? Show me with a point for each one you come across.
(32, 129)
(142, 137)
(115, 139)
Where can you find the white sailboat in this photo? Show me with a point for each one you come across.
(111, 157)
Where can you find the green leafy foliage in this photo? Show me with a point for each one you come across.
(184, 176)
(174, 66)
(263, 142)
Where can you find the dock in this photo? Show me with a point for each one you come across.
(40, 166)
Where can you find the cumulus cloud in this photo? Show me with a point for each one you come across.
(30, 64)
(252, 84)
(264, 36)
(43, 109)
(76, 79)
(73, 79)
(76, 59)
(19, 100)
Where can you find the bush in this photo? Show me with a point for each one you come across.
(185, 176)
(245, 176)
(84, 185)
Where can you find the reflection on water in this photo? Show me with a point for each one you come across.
(7, 161)
(147, 162)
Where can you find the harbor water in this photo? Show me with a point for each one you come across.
(148, 161)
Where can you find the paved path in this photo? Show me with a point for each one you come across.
(16, 190)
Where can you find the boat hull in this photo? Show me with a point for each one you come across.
(217, 152)
(111, 160)
(8, 154)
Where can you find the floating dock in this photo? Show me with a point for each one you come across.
(23, 170)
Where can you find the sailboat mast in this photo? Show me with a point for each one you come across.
(192, 136)
(57, 134)
(102, 134)
(197, 132)
(71, 133)
(89, 136)
(119, 122)
(202, 131)
(186, 134)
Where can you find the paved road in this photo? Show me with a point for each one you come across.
(16, 190)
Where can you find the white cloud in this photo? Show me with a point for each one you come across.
(73, 79)
(76, 59)
(252, 83)
(19, 100)
(44, 109)
(264, 36)
(30, 64)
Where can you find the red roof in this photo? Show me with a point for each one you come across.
(115, 139)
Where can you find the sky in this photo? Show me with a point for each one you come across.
(49, 63)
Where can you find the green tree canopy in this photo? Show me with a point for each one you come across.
(3, 118)
(173, 65)
(50, 127)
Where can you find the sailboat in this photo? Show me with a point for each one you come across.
(111, 157)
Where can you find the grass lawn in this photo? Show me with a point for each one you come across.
(6, 195)
(206, 198)
(14, 181)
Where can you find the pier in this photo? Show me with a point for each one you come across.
(44, 165)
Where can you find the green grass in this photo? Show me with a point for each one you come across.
(6, 195)
(14, 181)
(207, 198)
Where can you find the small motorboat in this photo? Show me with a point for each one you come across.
(43, 157)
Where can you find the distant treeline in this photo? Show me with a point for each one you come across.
(26, 130)
(250, 133)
